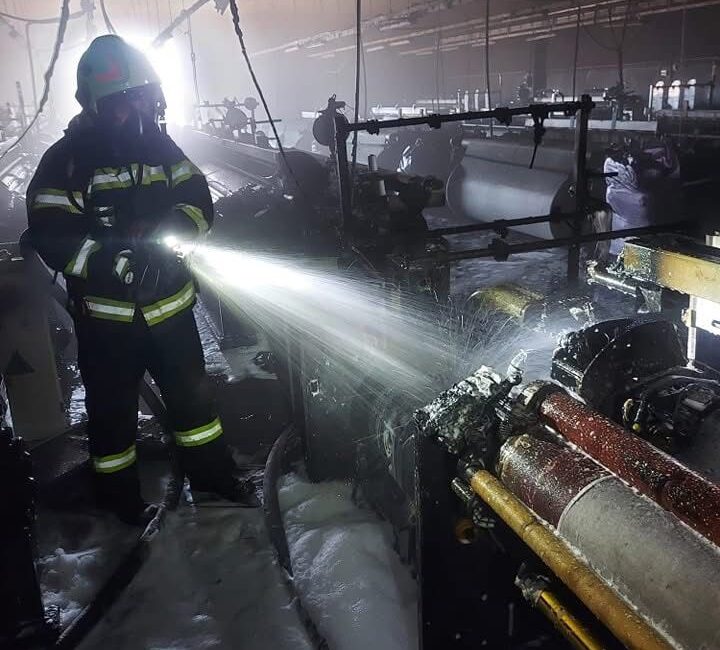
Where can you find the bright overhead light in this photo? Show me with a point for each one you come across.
(398, 43)
(375, 48)
(169, 65)
(292, 48)
(312, 46)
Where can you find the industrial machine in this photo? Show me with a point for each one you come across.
(503, 497)
(499, 494)
(595, 495)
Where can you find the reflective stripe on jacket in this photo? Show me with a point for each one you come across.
(82, 207)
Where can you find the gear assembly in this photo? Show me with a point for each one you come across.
(420, 374)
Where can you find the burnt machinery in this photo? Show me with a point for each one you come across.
(597, 464)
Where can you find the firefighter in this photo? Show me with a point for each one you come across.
(104, 203)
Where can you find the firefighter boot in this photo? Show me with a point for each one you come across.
(119, 493)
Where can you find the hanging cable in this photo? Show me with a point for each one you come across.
(487, 60)
(241, 38)
(437, 72)
(358, 50)
(365, 86)
(62, 26)
(41, 21)
(108, 23)
(575, 57)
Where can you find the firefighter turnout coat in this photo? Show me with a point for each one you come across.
(89, 199)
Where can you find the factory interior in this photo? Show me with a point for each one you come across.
(349, 324)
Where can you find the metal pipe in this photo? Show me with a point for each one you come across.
(500, 226)
(502, 114)
(667, 571)
(536, 591)
(33, 84)
(599, 275)
(501, 250)
(664, 479)
(580, 179)
(601, 600)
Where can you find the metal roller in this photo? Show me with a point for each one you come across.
(494, 181)
(686, 494)
(651, 558)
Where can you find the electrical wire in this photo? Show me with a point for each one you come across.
(437, 72)
(41, 21)
(365, 86)
(62, 26)
(487, 59)
(241, 38)
(108, 23)
(576, 55)
(358, 50)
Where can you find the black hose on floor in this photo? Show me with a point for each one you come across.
(133, 561)
(124, 573)
(275, 467)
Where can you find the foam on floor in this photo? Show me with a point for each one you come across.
(346, 572)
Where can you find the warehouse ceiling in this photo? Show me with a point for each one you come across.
(323, 27)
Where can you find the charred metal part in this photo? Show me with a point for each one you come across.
(538, 592)
(636, 373)
(676, 488)
(604, 362)
(599, 515)
(24, 622)
(619, 617)
(465, 415)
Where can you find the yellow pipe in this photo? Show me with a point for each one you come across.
(574, 630)
(629, 628)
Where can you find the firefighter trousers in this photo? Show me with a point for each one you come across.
(113, 358)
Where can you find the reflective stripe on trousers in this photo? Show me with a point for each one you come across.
(115, 462)
(200, 435)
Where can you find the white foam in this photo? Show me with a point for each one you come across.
(346, 572)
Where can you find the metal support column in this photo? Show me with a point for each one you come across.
(580, 178)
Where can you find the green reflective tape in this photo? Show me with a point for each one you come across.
(108, 309)
(154, 174)
(168, 307)
(111, 178)
(200, 435)
(182, 171)
(115, 462)
(196, 214)
(77, 266)
(49, 197)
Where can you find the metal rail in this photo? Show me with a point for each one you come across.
(341, 130)
(539, 113)
(501, 250)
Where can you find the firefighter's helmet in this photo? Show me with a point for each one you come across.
(110, 66)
